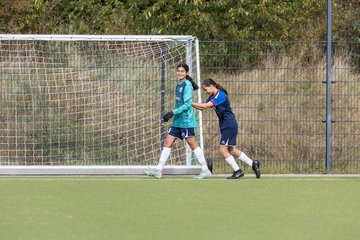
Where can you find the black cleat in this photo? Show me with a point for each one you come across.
(256, 168)
(237, 174)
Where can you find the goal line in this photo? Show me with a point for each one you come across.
(93, 170)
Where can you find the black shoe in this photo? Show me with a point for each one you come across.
(237, 174)
(256, 168)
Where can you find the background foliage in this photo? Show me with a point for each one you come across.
(208, 20)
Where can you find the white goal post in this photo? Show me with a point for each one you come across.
(91, 104)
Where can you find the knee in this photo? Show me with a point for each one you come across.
(193, 146)
(192, 143)
(233, 152)
(223, 151)
(168, 143)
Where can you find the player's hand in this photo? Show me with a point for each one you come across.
(168, 116)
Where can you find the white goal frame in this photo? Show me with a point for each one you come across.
(186, 169)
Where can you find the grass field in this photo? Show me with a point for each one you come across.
(109, 208)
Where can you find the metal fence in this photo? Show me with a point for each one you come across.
(278, 93)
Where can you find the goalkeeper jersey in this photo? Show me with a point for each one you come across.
(183, 113)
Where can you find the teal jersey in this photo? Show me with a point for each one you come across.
(184, 116)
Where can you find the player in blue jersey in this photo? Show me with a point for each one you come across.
(183, 124)
(218, 99)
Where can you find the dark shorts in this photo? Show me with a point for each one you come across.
(181, 133)
(228, 136)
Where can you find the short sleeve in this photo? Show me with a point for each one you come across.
(219, 98)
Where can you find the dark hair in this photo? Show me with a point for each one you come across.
(186, 67)
(207, 82)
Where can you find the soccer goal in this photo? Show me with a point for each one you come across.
(91, 104)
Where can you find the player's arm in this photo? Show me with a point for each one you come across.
(187, 104)
(202, 106)
(219, 98)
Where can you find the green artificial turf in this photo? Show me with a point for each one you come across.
(106, 208)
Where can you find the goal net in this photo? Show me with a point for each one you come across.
(89, 100)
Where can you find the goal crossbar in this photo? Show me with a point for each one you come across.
(60, 37)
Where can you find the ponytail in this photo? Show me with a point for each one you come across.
(186, 67)
(194, 85)
(207, 82)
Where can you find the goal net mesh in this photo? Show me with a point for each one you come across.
(88, 102)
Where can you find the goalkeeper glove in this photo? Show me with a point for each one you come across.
(168, 116)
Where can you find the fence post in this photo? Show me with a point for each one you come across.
(328, 85)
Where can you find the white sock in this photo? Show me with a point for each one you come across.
(231, 161)
(165, 154)
(246, 159)
(199, 154)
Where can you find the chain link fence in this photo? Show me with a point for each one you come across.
(278, 94)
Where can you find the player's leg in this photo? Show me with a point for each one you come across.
(240, 155)
(237, 172)
(255, 165)
(199, 154)
(228, 139)
(165, 154)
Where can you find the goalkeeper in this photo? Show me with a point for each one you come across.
(183, 125)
